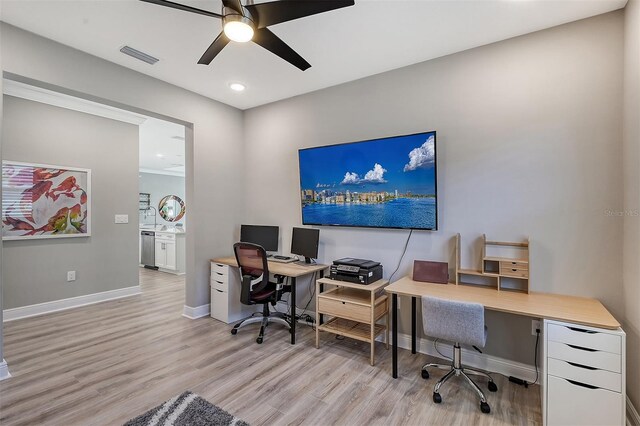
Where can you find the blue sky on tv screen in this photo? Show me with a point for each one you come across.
(403, 163)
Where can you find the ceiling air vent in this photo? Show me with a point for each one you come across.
(139, 55)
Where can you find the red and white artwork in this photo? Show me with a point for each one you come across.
(42, 201)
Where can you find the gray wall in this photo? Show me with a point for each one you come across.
(631, 149)
(36, 271)
(213, 146)
(1, 242)
(529, 144)
(159, 186)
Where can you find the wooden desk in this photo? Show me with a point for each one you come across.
(292, 270)
(578, 310)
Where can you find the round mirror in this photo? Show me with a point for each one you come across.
(171, 208)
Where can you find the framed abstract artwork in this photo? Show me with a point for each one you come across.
(44, 201)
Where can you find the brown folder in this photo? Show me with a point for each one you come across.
(432, 272)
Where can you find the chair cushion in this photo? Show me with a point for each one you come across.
(454, 321)
(262, 295)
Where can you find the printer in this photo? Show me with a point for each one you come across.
(360, 271)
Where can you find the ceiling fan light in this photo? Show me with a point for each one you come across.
(238, 31)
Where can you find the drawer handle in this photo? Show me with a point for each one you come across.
(581, 348)
(219, 282)
(344, 303)
(514, 270)
(580, 365)
(581, 330)
(219, 273)
(219, 291)
(584, 385)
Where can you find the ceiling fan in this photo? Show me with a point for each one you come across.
(249, 23)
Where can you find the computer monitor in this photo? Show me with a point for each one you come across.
(265, 236)
(304, 242)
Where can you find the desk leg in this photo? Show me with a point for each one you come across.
(321, 291)
(413, 325)
(293, 310)
(394, 350)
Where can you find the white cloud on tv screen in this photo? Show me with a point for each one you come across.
(375, 175)
(423, 156)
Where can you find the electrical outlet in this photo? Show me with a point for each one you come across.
(535, 325)
(71, 276)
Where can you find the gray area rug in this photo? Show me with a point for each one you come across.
(187, 409)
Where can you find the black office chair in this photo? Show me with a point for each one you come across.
(256, 287)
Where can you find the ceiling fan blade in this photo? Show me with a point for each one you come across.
(273, 44)
(216, 47)
(183, 7)
(233, 4)
(276, 12)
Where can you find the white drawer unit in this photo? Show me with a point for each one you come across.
(219, 271)
(572, 403)
(583, 380)
(225, 294)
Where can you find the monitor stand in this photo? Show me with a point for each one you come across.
(307, 260)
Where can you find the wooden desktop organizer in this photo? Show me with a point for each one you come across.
(499, 272)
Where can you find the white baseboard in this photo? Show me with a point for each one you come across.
(197, 312)
(472, 358)
(64, 304)
(633, 418)
(4, 370)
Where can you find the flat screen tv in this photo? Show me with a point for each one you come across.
(379, 183)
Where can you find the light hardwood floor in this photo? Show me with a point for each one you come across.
(106, 363)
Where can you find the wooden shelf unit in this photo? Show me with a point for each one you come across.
(510, 273)
(354, 310)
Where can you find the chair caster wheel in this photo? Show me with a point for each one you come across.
(234, 331)
(424, 374)
(437, 398)
(484, 407)
(259, 340)
(493, 387)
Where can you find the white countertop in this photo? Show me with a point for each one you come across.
(168, 229)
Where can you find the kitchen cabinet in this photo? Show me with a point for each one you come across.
(170, 252)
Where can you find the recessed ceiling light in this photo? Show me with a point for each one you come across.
(160, 155)
(237, 87)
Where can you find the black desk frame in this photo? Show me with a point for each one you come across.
(394, 331)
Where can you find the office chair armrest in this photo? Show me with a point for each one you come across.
(245, 289)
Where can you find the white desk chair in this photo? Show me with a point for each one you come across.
(461, 323)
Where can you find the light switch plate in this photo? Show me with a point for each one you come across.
(71, 276)
(122, 218)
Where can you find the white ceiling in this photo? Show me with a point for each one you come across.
(342, 45)
(161, 147)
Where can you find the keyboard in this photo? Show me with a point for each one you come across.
(282, 259)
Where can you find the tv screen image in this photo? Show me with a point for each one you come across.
(384, 183)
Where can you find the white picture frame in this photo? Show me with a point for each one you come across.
(58, 190)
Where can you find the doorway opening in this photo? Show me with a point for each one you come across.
(163, 208)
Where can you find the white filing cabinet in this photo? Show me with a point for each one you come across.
(584, 375)
(225, 294)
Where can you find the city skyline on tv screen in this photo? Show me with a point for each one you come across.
(389, 182)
